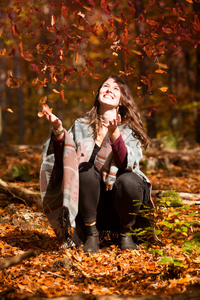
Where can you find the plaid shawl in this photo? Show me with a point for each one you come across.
(60, 187)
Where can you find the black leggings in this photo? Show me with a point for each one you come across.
(110, 209)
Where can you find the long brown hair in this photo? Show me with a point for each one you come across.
(127, 109)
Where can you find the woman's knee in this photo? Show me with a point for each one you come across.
(88, 176)
(130, 184)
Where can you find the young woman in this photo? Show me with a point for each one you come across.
(90, 176)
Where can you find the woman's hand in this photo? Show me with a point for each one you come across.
(55, 122)
(113, 129)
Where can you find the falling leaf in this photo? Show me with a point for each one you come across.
(80, 15)
(2, 52)
(43, 101)
(15, 30)
(105, 7)
(14, 82)
(137, 52)
(89, 62)
(53, 20)
(160, 71)
(76, 58)
(64, 11)
(151, 110)
(91, 2)
(163, 89)
(35, 68)
(167, 30)
(55, 91)
(9, 110)
(95, 76)
(164, 66)
(62, 96)
(172, 99)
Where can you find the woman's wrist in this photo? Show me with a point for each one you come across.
(58, 133)
(114, 135)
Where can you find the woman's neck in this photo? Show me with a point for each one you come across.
(108, 115)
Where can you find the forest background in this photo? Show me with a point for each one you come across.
(58, 52)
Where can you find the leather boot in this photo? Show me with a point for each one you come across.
(92, 239)
(126, 239)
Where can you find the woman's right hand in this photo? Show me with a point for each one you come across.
(55, 122)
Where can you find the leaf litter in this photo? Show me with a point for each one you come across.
(154, 268)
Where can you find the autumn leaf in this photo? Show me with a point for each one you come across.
(53, 20)
(137, 52)
(106, 61)
(151, 2)
(2, 52)
(172, 98)
(15, 30)
(55, 91)
(62, 96)
(167, 30)
(9, 110)
(151, 110)
(89, 62)
(164, 66)
(64, 11)
(163, 89)
(25, 54)
(95, 76)
(105, 7)
(35, 68)
(160, 71)
(91, 2)
(14, 82)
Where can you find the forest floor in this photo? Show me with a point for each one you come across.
(163, 269)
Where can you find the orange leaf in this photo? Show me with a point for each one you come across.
(55, 91)
(47, 282)
(53, 20)
(164, 66)
(76, 57)
(25, 281)
(62, 96)
(64, 11)
(163, 89)
(9, 110)
(167, 30)
(137, 52)
(42, 101)
(2, 52)
(160, 71)
(172, 98)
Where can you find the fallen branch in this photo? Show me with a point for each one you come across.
(188, 198)
(21, 193)
(8, 262)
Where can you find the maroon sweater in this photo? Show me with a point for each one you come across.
(118, 147)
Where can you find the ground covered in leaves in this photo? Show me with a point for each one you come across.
(155, 268)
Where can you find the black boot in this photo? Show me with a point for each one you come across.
(126, 239)
(92, 239)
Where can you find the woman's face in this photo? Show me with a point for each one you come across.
(109, 94)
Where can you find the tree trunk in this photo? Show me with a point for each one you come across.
(20, 103)
(197, 87)
(150, 120)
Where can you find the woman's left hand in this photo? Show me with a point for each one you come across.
(113, 129)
